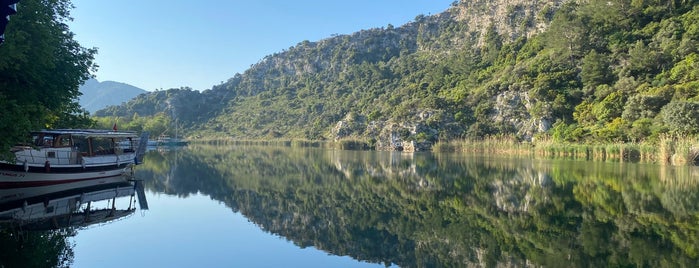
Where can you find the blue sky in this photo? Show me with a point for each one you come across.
(157, 44)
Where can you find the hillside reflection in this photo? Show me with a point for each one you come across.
(428, 210)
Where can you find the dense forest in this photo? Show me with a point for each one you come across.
(578, 71)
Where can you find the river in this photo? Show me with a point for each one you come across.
(249, 206)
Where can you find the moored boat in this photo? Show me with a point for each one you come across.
(164, 140)
(70, 156)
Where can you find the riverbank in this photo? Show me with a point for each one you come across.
(346, 144)
(666, 150)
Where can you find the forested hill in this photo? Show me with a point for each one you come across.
(576, 70)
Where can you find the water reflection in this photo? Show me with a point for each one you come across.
(427, 210)
(36, 222)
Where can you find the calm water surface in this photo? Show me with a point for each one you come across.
(294, 207)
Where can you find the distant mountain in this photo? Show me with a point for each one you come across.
(98, 95)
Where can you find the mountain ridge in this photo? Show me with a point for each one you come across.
(96, 95)
(574, 70)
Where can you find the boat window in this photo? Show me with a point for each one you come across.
(62, 141)
(81, 144)
(102, 146)
(126, 145)
(47, 142)
(37, 139)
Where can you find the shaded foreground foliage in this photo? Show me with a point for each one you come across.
(447, 210)
(36, 248)
(41, 68)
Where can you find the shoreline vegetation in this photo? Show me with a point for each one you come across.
(666, 150)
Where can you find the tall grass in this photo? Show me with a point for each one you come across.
(685, 151)
(346, 144)
(351, 144)
(665, 150)
(666, 146)
(502, 144)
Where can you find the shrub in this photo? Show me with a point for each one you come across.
(681, 117)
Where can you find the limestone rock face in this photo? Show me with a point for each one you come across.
(510, 18)
(518, 111)
(409, 136)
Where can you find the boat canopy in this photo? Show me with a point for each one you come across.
(88, 133)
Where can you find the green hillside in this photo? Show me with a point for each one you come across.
(574, 70)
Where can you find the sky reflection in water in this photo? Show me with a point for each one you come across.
(193, 231)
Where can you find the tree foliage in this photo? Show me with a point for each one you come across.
(682, 117)
(51, 248)
(41, 68)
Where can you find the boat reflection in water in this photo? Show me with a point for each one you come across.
(27, 193)
(72, 208)
(35, 231)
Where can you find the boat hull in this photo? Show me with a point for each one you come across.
(16, 185)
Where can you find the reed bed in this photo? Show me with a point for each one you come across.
(667, 150)
(351, 144)
(228, 141)
(507, 145)
(347, 144)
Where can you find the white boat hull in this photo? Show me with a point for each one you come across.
(16, 185)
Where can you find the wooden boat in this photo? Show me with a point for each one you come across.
(69, 157)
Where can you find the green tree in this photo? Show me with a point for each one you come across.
(567, 32)
(642, 106)
(41, 69)
(644, 60)
(681, 117)
(158, 125)
(610, 107)
(595, 71)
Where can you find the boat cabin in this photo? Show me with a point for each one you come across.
(78, 146)
(86, 143)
